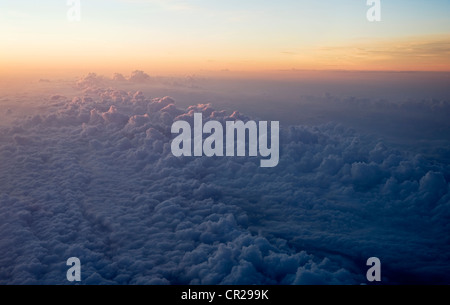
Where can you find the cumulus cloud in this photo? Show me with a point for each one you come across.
(93, 177)
(118, 77)
(139, 76)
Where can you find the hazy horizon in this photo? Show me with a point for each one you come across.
(185, 37)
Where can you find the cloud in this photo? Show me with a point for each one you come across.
(118, 77)
(93, 177)
(415, 53)
(170, 5)
(138, 76)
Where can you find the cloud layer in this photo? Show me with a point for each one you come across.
(93, 177)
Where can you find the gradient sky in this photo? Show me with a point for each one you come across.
(211, 35)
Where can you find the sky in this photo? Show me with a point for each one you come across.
(86, 168)
(199, 35)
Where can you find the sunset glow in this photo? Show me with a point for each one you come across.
(192, 36)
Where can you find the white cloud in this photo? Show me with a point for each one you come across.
(93, 177)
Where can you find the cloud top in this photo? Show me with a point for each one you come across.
(93, 177)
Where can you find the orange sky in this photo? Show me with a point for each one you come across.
(183, 37)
